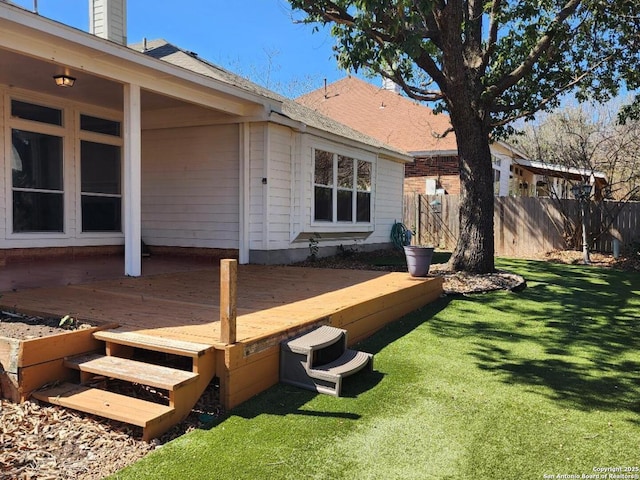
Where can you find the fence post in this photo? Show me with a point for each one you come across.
(417, 198)
(228, 300)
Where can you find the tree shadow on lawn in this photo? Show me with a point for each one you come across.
(285, 400)
(581, 324)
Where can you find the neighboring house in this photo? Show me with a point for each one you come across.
(532, 178)
(383, 113)
(154, 144)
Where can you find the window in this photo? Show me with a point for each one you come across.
(37, 183)
(496, 182)
(99, 125)
(323, 190)
(363, 199)
(342, 188)
(36, 113)
(100, 174)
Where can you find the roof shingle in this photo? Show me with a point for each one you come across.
(383, 114)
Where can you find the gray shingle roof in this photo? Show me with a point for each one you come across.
(163, 50)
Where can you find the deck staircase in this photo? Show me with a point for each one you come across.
(184, 387)
(319, 360)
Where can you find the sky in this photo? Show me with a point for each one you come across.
(254, 38)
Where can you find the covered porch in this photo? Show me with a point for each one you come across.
(120, 144)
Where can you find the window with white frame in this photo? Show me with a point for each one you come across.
(342, 188)
(100, 174)
(37, 168)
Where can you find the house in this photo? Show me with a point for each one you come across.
(532, 178)
(385, 114)
(105, 146)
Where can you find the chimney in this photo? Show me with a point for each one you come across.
(108, 19)
(389, 84)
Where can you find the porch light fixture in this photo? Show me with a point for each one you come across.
(64, 80)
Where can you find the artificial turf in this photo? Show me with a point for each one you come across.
(543, 383)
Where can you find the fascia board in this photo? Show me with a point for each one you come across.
(35, 36)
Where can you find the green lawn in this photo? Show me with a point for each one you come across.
(494, 386)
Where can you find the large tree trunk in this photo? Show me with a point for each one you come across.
(463, 89)
(474, 251)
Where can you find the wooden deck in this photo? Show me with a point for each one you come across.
(273, 303)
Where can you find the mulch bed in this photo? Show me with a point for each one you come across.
(47, 442)
(52, 443)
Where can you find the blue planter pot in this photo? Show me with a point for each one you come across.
(418, 260)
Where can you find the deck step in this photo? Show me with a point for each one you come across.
(317, 339)
(350, 362)
(319, 360)
(106, 404)
(152, 342)
(132, 371)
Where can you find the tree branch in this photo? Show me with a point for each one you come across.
(541, 105)
(493, 33)
(541, 46)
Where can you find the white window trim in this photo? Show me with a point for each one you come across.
(341, 226)
(71, 137)
(85, 135)
(64, 132)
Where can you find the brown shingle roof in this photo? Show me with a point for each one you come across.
(383, 114)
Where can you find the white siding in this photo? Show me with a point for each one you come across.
(190, 187)
(107, 19)
(279, 187)
(388, 199)
(257, 209)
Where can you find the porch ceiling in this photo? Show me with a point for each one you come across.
(34, 48)
(32, 74)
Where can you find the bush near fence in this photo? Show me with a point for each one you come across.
(523, 226)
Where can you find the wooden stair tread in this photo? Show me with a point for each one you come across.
(132, 371)
(105, 404)
(152, 342)
(321, 337)
(350, 362)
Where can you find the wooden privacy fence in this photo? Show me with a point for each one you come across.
(523, 226)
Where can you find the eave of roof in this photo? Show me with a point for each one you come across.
(184, 68)
(62, 39)
(290, 109)
(543, 168)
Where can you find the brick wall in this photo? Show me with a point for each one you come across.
(18, 255)
(444, 169)
(450, 183)
(432, 166)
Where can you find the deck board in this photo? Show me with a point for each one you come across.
(184, 305)
(180, 303)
